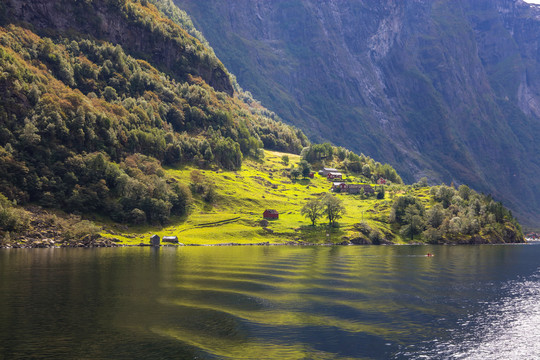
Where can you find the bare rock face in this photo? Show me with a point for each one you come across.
(444, 89)
(175, 52)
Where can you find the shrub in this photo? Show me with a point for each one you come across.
(75, 229)
(12, 219)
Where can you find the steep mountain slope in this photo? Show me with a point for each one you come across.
(140, 31)
(85, 125)
(439, 88)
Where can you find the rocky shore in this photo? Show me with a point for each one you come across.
(90, 241)
(100, 242)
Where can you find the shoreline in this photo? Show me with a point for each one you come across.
(303, 244)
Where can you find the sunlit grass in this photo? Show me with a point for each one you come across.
(242, 197)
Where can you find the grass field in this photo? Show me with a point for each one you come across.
(242, 197)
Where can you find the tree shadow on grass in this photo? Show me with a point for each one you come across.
(321, 233)
(302, 181)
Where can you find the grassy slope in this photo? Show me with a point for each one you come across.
(243, 196)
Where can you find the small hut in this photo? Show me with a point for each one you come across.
(270, 214)
(155, 240)
(334, 175)
(171, 239)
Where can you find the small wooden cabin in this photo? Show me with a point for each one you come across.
(334, 175)
(359, 188)
(352, 188)
(155, 240)
(171, 239)
(270, 214)
(325, 171)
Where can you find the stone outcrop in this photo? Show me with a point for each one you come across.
(175, 52)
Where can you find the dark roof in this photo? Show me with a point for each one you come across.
(271, 211)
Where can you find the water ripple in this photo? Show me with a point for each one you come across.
(506, 329)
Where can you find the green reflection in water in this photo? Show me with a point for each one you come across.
(235, 302)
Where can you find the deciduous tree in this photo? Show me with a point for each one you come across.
(312, 210)
(333, 208)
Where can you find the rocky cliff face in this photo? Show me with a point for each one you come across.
(106, 20)
(438, 88)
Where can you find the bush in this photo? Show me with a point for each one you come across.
(12, 219)
(375, 236)
(432, 236)
(75, 229)
(380, 193)
(137, 216)
(210, 196)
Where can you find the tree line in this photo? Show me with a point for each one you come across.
(452, 214)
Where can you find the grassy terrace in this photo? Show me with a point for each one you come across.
(242, 197)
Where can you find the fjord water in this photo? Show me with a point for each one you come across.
(277, 302)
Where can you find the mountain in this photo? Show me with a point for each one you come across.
(444, 89)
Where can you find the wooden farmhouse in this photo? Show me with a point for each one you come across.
(352, 188)
(270, 214)
(334, 175)
(325, 171)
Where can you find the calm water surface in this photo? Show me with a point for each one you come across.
(387, 302)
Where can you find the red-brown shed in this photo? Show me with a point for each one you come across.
(270, 214)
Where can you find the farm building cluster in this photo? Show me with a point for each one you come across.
(334, 174)
(339, 186)
(352, 188)
(331, 173)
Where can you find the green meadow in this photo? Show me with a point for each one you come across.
(242, 196)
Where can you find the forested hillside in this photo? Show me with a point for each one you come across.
(86, 126)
